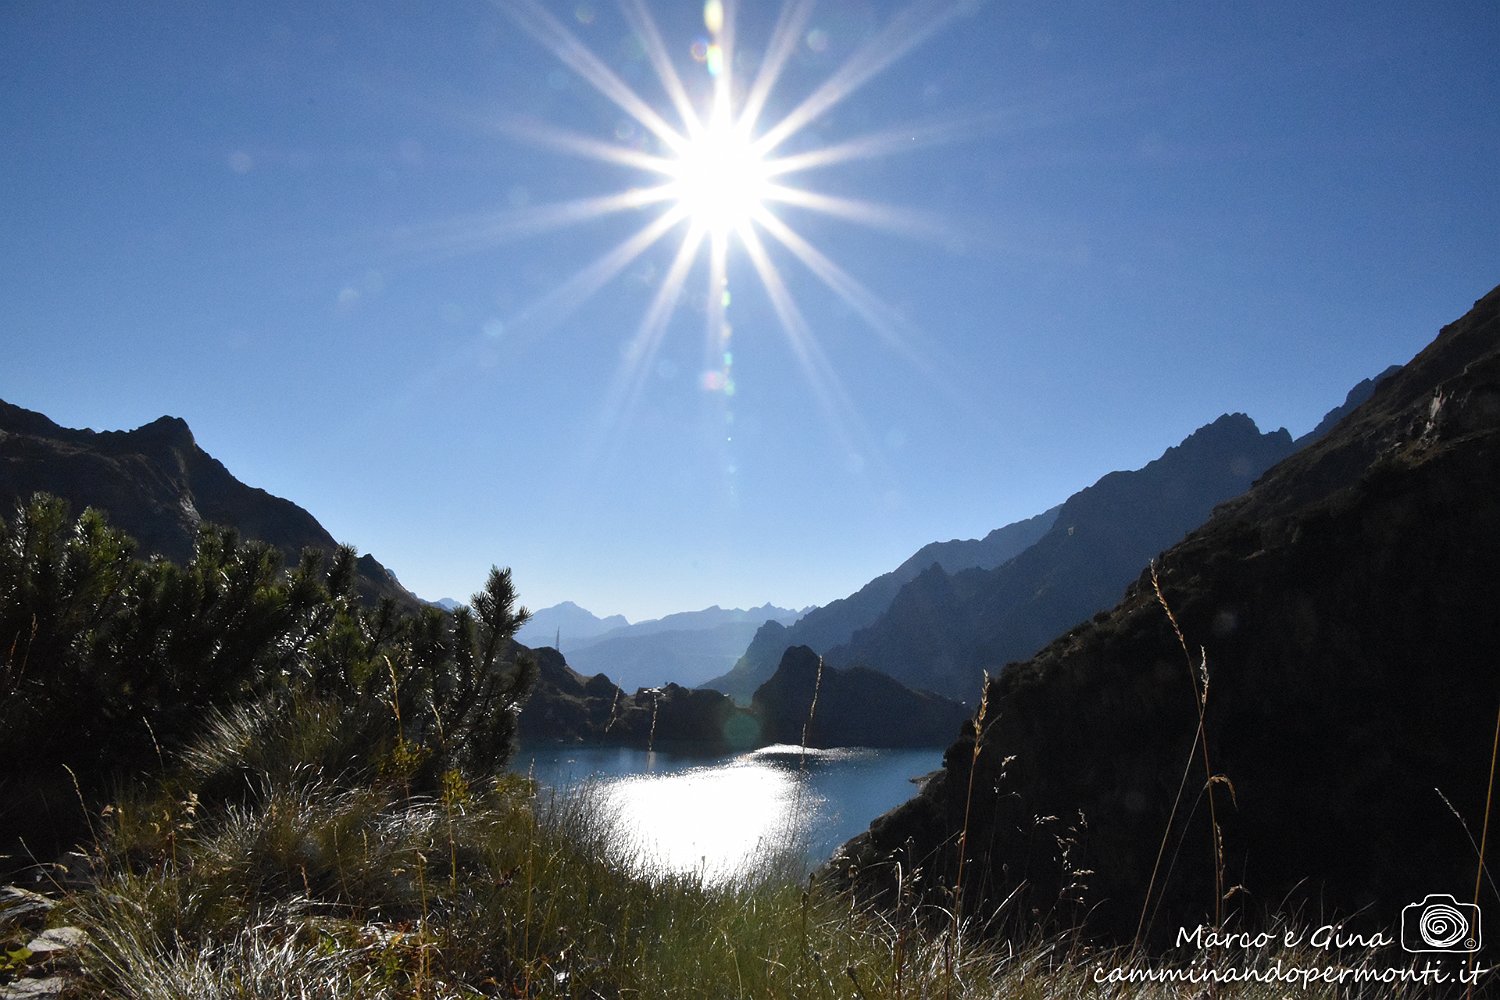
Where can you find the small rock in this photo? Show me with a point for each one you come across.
(17, 905)
(57, 939)
(33, 989)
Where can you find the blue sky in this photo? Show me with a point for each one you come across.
(325, 235)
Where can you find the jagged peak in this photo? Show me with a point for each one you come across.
(799, 660)
(1228, 424)
(1227, 431)
(174, 430)
(1235, 419)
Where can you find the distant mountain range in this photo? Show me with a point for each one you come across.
(955, 609)
(834, 624)
(565, 625)
(157, 485)
(685, 648)
(1336, 625)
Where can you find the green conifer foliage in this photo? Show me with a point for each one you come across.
(111, 667)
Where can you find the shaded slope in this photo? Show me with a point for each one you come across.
(1356, 396)
(942, 631)
(567, 707)
(1346, 606)
(833, 624)
(854, 707)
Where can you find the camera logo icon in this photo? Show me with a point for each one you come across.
(1441, 923)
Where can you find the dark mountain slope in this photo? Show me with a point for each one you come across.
(157, 485)
(854, 707)
(835, 623)
(941, 632)
(1346, 608)
(566, 707)
(1361, 392)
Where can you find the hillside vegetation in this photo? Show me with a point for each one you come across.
(109, 666)
(323, 813)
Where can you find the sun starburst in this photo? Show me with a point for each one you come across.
(719, 175)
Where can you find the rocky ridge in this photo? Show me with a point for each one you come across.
(943, 630)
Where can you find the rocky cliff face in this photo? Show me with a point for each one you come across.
(1345, 611)
(942, 631)
(157, 485)
(1356, 397)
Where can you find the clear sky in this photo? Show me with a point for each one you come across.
(381, 257)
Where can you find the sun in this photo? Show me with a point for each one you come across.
(726, 177)
(718, 180)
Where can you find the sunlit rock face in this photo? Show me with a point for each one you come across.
(157, 485)
(1345, 613)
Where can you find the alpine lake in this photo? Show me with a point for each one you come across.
(720, 817)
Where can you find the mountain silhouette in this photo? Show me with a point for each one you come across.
(806, 702)
(934, 625)
(835, 623)
(158, 486)
(943, 630)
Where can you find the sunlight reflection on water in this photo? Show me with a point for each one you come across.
(713, 820)
(719, 817)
